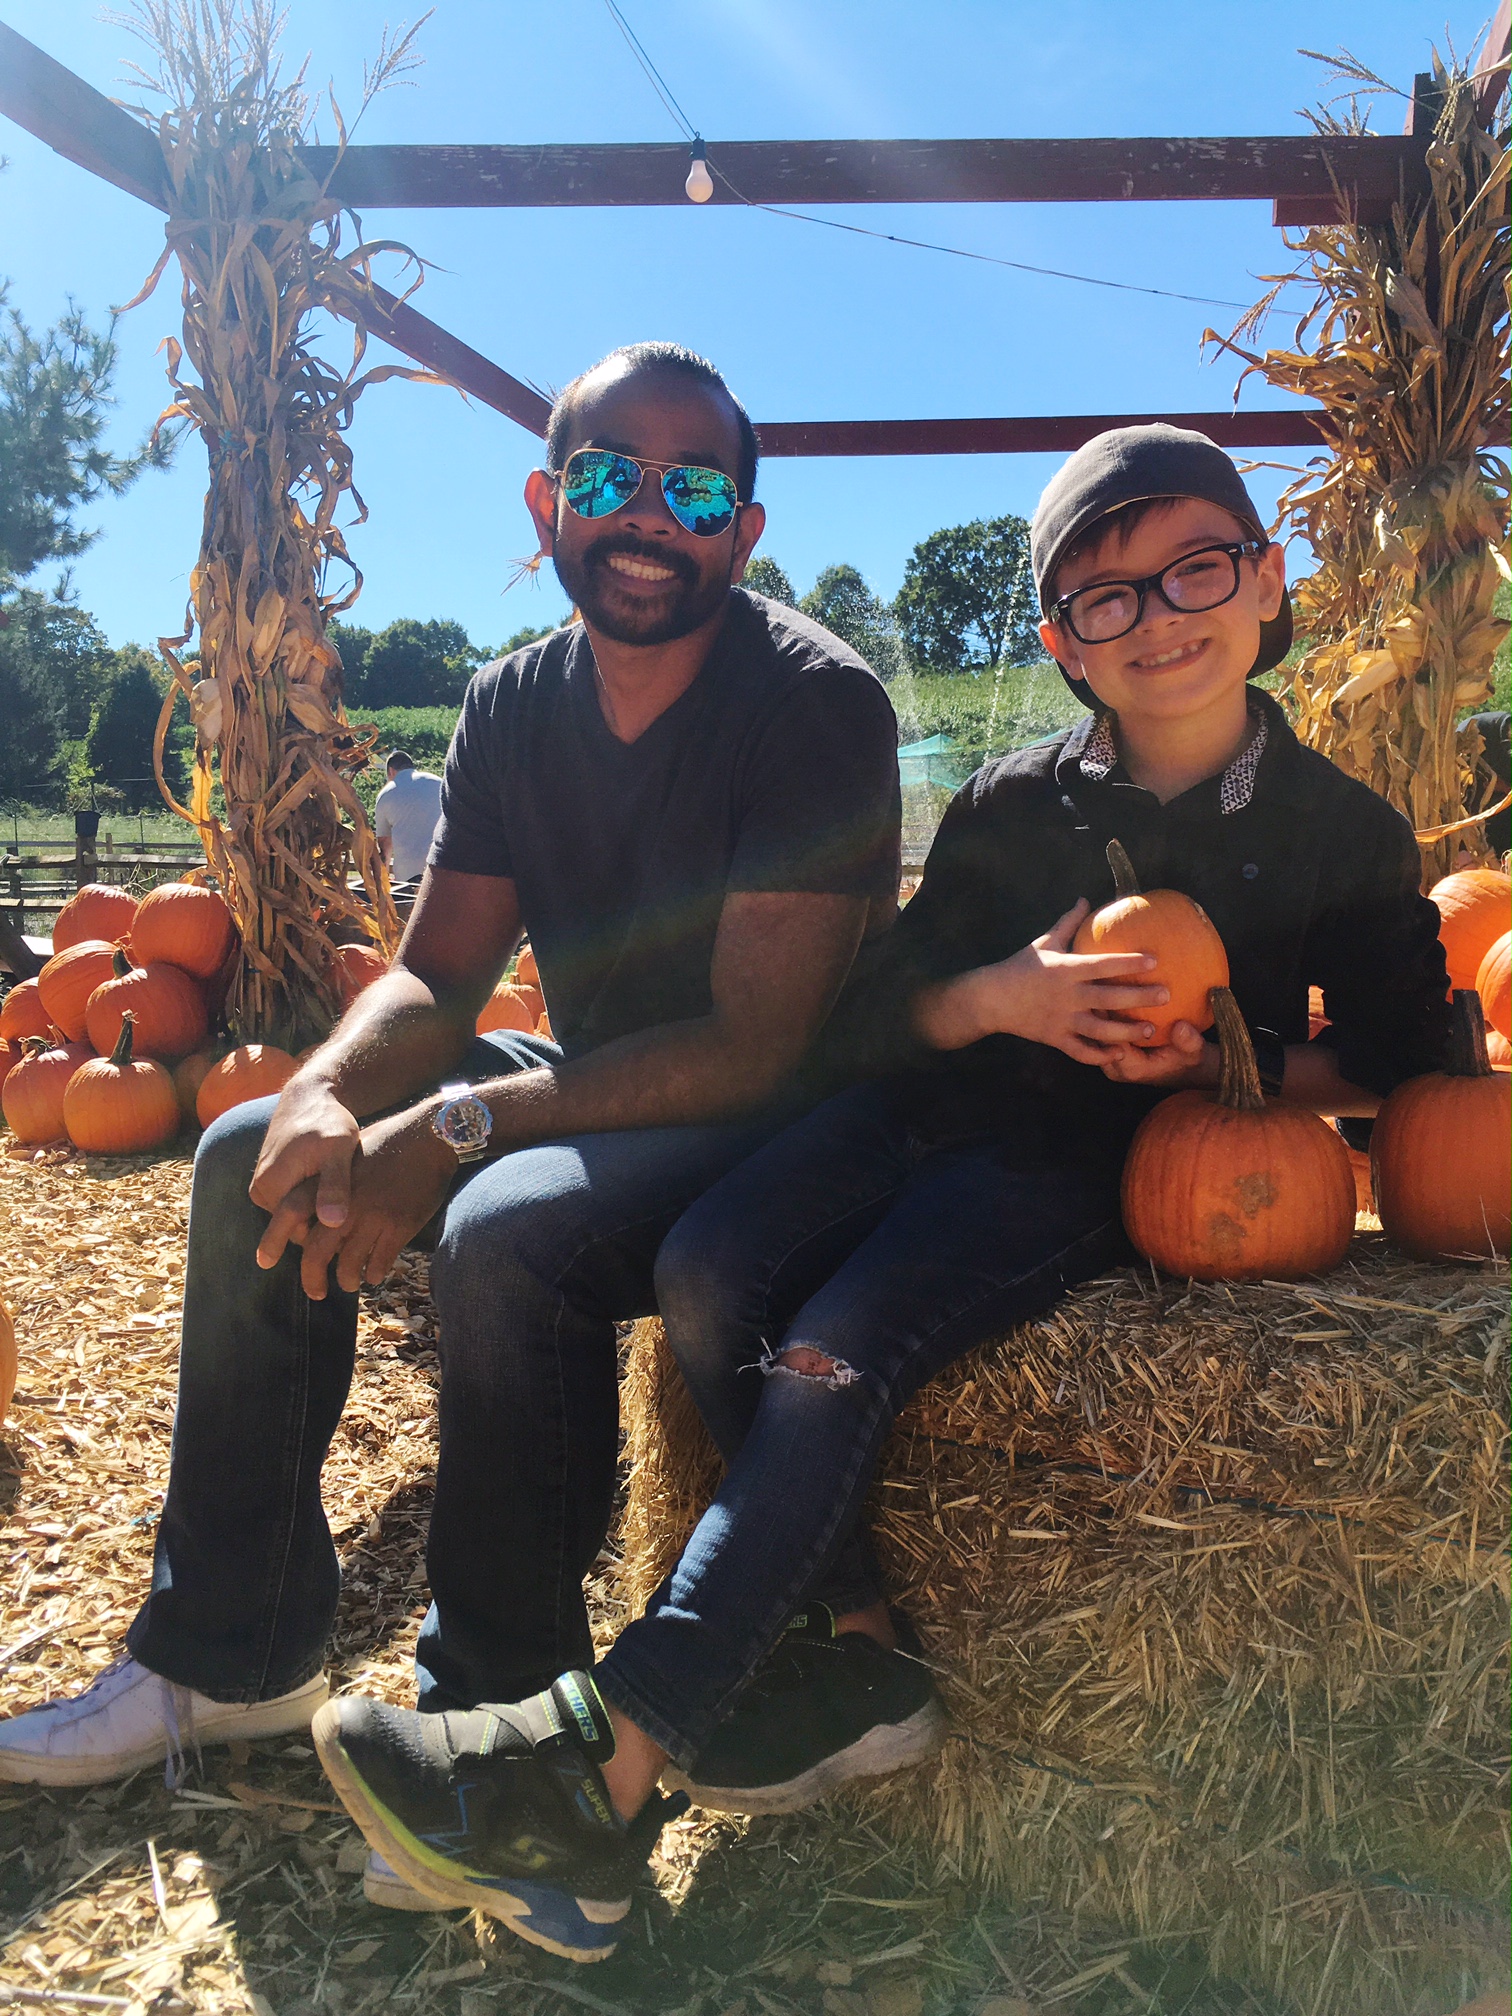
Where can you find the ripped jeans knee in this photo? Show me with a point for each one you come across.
(802, 1361)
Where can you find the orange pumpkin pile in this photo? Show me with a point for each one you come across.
(1189, 954)
(1475, 909)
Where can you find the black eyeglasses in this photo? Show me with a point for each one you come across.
(1202, 580)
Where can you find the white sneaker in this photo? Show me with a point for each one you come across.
(383, 1885)
(130, 1718)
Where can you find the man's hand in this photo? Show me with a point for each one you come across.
(399, 1178)
(308, 1148)
(1047, 994)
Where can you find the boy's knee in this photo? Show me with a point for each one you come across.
(231, 1144)
(802, 1361)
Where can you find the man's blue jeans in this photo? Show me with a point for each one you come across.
(538, 1255)
(890, 1257)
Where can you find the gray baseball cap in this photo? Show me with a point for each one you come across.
(1125, 466)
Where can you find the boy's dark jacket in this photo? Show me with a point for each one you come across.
(1315, 882)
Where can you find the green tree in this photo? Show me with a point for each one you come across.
(967, 600)
(54, 399)
(764, 577)
(842, 602)
(119, 748)
(411, 664)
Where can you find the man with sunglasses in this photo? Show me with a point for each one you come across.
(689, 798)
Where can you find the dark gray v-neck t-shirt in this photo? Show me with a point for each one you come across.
(776, 770)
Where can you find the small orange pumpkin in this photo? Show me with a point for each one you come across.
(184, 925)
(1223, 1187)
(120, 1104)
(167, 1007)
(188, 1076)
(1190, 959)
(1493, 983)
(95, 911)
(527, 973)
(543, 1027)
(356, 968)
(250, 1072)
(8, 1361)
(1439, 1151)
(1475, 908)
(69, 978)
(22, 1013)
(508, 1007)
(32, 1096)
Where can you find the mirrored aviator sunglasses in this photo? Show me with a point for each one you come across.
(596, 483)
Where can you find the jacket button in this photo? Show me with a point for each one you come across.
(1069, 803)
(1249, 871)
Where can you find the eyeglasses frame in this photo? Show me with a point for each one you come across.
(1237, 549)
(558, 476)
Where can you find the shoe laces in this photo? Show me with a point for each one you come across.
(178, 1720)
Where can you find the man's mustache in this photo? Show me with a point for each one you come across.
(603, 550)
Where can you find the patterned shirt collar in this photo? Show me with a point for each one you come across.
(1099, 758)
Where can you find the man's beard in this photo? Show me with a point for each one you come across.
(587, 580)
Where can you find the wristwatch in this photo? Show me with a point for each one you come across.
(463, 1122)
(1270, 1060)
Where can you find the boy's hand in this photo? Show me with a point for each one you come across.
(1186, 1061)
(1048, 994)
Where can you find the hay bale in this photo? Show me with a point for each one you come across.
(1215, 1578)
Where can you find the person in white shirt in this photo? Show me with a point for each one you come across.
(405, 816)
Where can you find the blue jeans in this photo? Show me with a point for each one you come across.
(537, 1256)
(889, 1256)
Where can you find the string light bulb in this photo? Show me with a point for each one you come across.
(700, 183)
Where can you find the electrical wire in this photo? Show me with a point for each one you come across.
(680, 118)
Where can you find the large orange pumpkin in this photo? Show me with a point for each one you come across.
(1440, 1151)
(507, 1007)
(32, 1096)
(188, 1076)
(1493, 983)
(357, 967)
(167, 1007)
(7, 1361)
(120, 1104)
(1190, 959)
(252, 1072)
(1475, 908)
(10, 1057)
(95, 911)
(184, 925)
(527, 973)
(69, 978)
(1223, 1187)
(1498, 1051)
(22, 1013)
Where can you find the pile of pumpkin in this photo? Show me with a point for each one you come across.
(1231, 1186)
(109, 1046)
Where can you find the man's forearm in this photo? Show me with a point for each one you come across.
(1312, 1079)
(393, 1044)
(685, 1074)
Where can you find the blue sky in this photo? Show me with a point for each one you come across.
(806, 323)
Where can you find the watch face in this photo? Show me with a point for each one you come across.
(464, 1123)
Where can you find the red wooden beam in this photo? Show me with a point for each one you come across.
(1035, 434)
(1371, 169)
(1490, 73)
(429, 344)
(77, 121)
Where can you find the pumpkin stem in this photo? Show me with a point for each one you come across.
(1467, 1037)
(1125, 881)
(1239, 1076)
(121, 1055)
(120, 964)
(37, 1046)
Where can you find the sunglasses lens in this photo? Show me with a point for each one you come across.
(596, 483)
(701, 500)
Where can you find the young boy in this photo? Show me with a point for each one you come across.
(971, 1182)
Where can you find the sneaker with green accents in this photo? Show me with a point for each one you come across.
(500, 1808)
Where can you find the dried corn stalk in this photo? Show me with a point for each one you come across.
(1404, 347)
(258, 243)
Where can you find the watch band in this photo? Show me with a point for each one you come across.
(1270, 1061)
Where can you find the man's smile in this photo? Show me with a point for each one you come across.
(639, 570)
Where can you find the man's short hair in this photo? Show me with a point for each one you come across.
(398, 759)
(656, 357)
